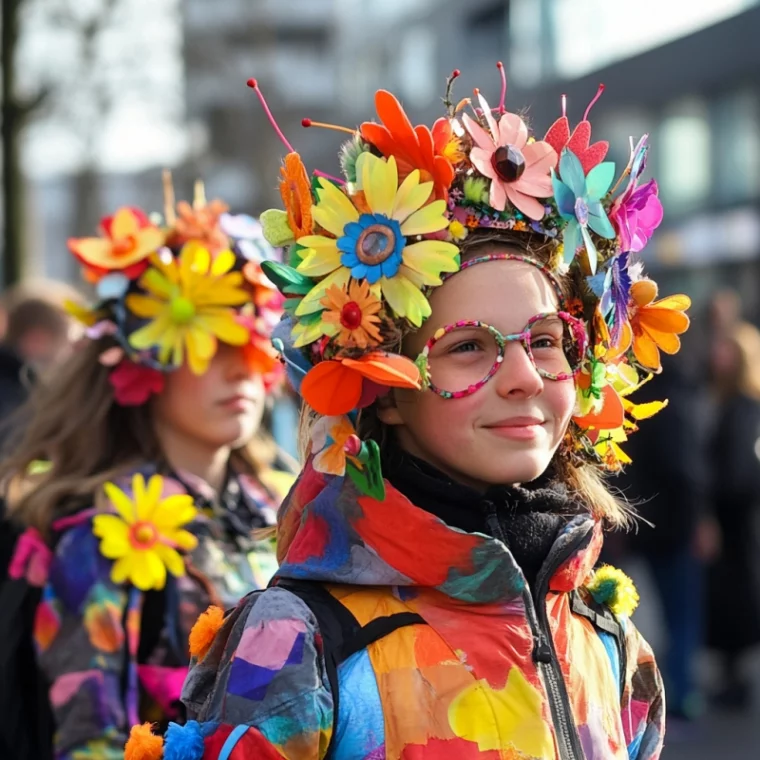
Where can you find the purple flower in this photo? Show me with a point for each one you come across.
(637, 213)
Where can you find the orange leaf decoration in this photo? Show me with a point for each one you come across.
(295, 190)
(609, 417)
(331, 388)
(412, 147)
(387, 369)
(335, 387)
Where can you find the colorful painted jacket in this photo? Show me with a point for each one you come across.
(491, 674)
(114, 655)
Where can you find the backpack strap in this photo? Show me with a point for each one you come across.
(603, 619)
(342, 635)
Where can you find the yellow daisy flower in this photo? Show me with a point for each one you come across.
(373, 245)
(146, 533)
(190, 302)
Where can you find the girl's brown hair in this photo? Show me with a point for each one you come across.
(582, 479)
(75, 425)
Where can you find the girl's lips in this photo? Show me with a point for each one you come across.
(237, 403)
(517, 428)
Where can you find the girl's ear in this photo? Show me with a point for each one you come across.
(387, 410)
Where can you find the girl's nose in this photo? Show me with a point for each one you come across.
(517, 374)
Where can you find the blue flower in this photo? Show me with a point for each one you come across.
(579, 201)
(613, 288)
(372, 247)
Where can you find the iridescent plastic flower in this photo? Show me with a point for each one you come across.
(579, 201)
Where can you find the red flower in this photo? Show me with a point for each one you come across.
(133, 384)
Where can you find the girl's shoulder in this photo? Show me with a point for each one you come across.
(264, 658)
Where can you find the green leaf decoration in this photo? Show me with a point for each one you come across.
(286, 279)
(369, 479)
(294, 255)
(311, 319)
(290, 305)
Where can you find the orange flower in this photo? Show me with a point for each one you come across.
(656, 325)
(412, 147)
(353, 310)
(129, 238)
(200, 222)
(295, 190)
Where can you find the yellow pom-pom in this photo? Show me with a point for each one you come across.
(614, 588)
(205, 629)
(143, 745)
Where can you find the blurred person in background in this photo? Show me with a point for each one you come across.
(39, 334)
(676, 537)
(734, 580)
(144, 482)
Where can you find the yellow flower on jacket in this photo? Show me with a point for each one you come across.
(371, 242)
(144, 536)
(190, 301)
(502, 719)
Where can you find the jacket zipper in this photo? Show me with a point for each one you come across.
(544, 653)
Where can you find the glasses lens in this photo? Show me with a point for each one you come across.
(462, 358)
(554, 346)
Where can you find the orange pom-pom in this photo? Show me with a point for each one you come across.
(205, 629)
(143, 745)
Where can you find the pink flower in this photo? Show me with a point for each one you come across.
(636, 214)
(133, 384)
(518, 171)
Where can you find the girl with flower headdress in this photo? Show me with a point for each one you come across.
(466, 322)
(144, 481)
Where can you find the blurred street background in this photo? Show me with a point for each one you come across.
(98, 96)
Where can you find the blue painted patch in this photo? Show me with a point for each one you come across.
(360, 733)
(249, 681)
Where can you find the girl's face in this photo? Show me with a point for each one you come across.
(221, 408)
(507, 431)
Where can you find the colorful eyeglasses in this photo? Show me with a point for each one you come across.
(461, 358)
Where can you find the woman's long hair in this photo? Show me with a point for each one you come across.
(75, 426)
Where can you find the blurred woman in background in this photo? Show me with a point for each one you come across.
(142, 480)
(734, 581)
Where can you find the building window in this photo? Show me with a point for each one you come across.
(684, 149)
(416, 66)
(737, 146)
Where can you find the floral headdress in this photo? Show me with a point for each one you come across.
(366, 249)
(168, 290)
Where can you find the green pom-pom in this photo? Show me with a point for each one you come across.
(349, 155)
(614, 588)
(276, 229)
(475, 189)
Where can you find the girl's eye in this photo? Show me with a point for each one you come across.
(544, 342)
(465, 347)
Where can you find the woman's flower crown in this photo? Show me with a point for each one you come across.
(169, 290)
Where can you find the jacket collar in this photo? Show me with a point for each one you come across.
(329, 532)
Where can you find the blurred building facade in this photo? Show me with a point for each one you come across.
(289, 48)
(686, 75)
